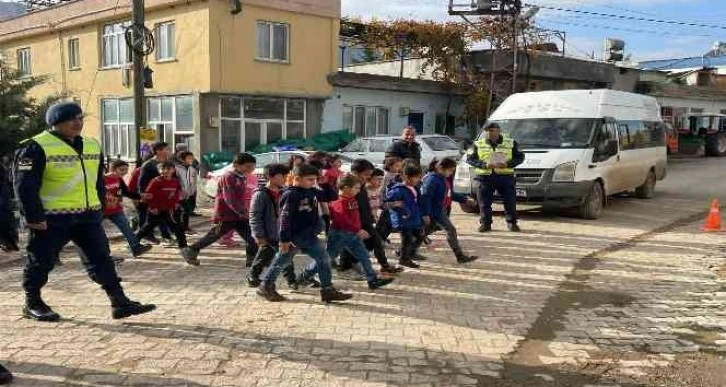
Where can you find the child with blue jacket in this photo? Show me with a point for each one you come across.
(436, 198)
(403, 203)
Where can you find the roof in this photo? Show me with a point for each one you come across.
(684, 63)
(11, 10)
(672, 90)
(388, 83)
(578, 104)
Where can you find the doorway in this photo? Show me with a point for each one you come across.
(417, 121)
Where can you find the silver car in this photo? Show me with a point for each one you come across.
(211, 180)
(374, 148)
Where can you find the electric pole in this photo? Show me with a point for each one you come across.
(138, 28)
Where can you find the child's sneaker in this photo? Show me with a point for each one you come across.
(268, 292)
(167, 243)
(331, 294)
(152, 239)
(379, 283)
(391, 269)
(190, 255)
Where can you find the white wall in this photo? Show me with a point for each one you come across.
(392, 68)
(707, 106)
(429, 104)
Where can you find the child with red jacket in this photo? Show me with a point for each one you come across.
(231, 210)
(164, 204)
(346, 230)
(113, 209)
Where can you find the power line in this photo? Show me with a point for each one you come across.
(639, 31)
(627, 17)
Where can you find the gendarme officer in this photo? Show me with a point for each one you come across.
(495, 156)
(59, 182)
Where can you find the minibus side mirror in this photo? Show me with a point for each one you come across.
(612, 148)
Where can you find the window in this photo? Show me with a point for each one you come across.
(24, 61)
(356, 146)
(379, 145)
(273, 41)
(74, 54)
(624, 136)
(365, 120)
(165, 41)
(115, 52)
(251, 121)
(118, 127)
(173, 118)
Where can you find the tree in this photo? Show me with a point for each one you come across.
(445, 49)
(21, 116)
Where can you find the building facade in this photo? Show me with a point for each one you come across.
(223, 80)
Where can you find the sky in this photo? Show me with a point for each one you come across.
(586, 33)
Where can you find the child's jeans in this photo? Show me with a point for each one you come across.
(265, 255)
(172, 220)
(451, 234)
(411, 240)
(320, 264)
(342, 240)
(123, 225)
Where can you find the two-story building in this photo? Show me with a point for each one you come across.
(228, 75)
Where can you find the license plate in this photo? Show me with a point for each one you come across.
(521, 193)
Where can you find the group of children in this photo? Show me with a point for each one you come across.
(301, 200)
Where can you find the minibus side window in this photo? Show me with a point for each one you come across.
(604, 142)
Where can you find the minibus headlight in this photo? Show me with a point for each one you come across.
(565, 173)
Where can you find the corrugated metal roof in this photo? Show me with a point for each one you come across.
(684, 63)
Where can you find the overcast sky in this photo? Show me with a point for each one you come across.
(586, 33)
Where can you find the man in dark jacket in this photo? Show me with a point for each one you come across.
(59, 181)
(362, 170)
(406, 147)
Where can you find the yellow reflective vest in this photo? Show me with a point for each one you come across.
(69, 179)
(485, 152)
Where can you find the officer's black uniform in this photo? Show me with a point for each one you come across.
(84, 229)
(505, 185)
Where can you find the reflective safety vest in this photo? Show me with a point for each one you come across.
(485, 152)
(69, 179)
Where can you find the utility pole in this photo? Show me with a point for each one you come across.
(137, 16)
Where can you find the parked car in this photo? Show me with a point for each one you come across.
(374, 148)
(212, 178)
(581, 146)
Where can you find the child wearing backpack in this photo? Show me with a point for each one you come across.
(436, 198)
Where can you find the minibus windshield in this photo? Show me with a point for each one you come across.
(549, 133)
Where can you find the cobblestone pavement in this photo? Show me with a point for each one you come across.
(626, 300)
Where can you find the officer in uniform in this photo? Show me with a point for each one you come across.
(494, 157)
(59, 182)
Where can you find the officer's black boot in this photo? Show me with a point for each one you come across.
(5, 376)
(36, 309)
(122, 307)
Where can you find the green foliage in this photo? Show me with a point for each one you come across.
(21, 116)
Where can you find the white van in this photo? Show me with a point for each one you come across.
(581, 146)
